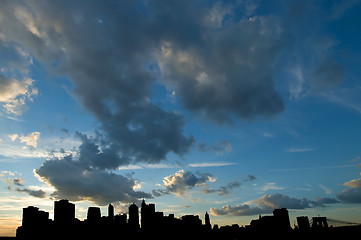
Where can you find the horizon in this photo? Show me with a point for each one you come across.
(229, 107)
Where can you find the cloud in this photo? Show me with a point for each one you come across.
(180, 181)
(351, 194)
(224, 190)
(251, 177)
(238, 210)
(220, 78)
(354, 183)
(278, 200)
(31, 139)
(35, 193)
(12, 180)
(18, 181)
(329, 72)
(115, 90)
(271, 186)
(267, 203)
(210, 164)
(219, 148)
(13, 137)
(295, 149)
(74, 181)
(15, 93)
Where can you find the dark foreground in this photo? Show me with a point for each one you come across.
(221, 234)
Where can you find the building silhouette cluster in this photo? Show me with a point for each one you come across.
(150, 224)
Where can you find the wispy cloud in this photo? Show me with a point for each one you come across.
(326, 189)
(312, 168)
(210, 164)
(295, 149)
(271, 186)
(349, 98)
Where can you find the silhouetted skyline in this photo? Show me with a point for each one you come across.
(36, 224)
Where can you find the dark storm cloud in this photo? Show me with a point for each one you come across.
(230, 74)
(75, 182)
(105, 49)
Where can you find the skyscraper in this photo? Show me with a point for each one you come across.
(133, 216)
(94, 214)
(207, 222)
(147, 216)
(111, 212)
(64, 212)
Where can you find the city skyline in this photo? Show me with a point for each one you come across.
(234, 108)
(147, 222)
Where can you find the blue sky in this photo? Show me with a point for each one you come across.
(230, 107)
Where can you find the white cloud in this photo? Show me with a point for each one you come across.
(271, 186)
(15, 93)
(326, 189)
(210, 164)
(31, 139)
(13, 137)
(178, 182)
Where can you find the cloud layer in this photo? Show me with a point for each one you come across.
(220, 60)
(353, 193)
(267, 203)
(73, 181)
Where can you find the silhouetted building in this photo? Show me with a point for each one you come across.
(32, 216)
(120, 219)
(279, 222)
(319, 222)
(207, 221)
(111, 212)
(282, 219)
(94, 214)
(147, 216)
(191, 222)
(133, 216)
(303, 223)
(64, 212)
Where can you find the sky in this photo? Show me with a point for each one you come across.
(230, 107)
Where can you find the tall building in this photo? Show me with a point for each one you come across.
(207, 222)
(111, 212)
(147, 216)
(64, 212)
(94, 214)
(133, 216)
